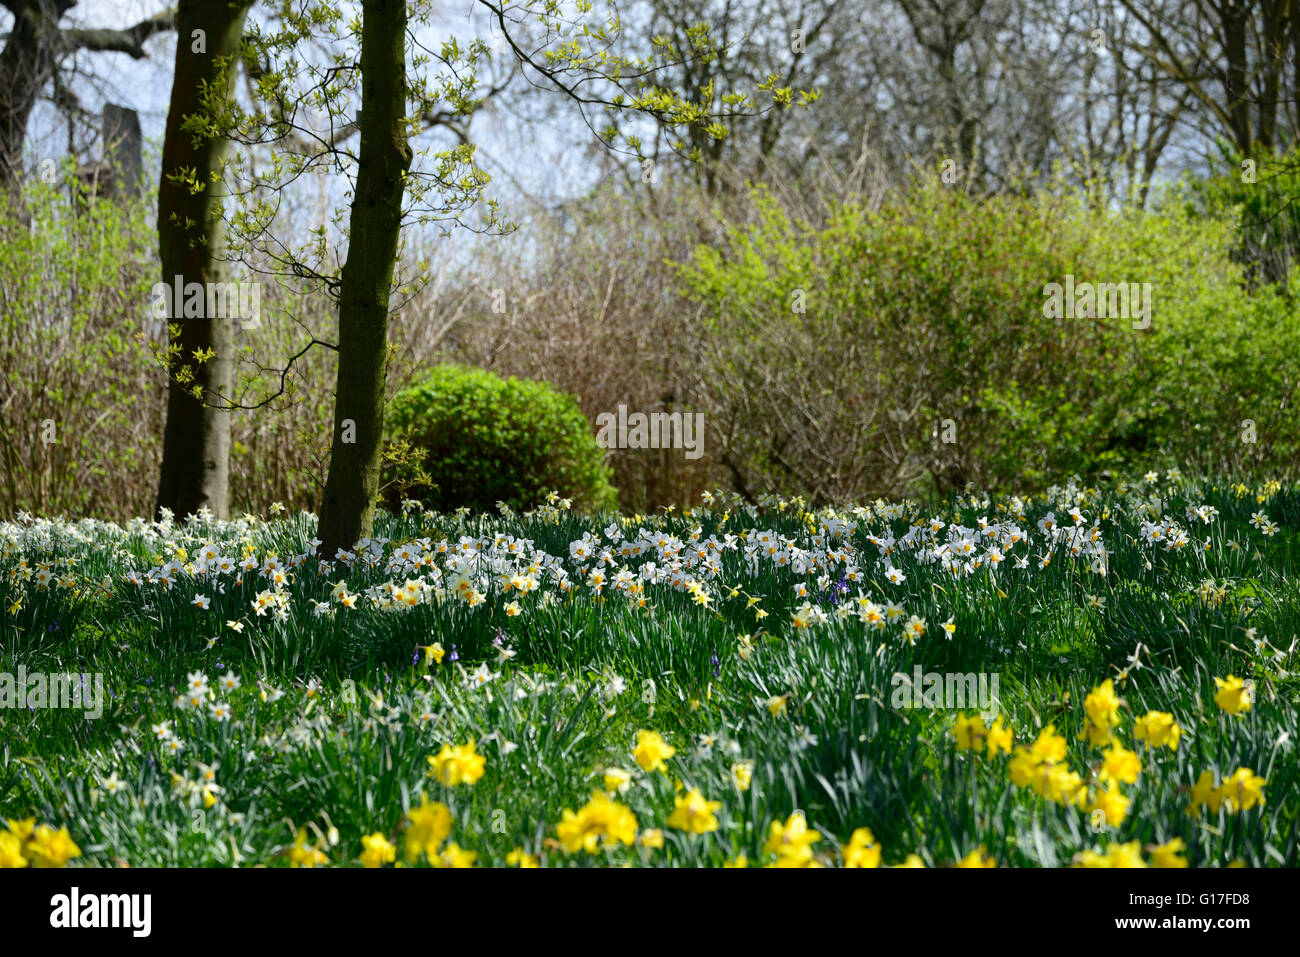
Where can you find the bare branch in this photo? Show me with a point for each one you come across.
(129, 41)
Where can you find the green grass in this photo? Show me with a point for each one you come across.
(343, 752)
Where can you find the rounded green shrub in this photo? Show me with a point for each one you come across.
(486, 440)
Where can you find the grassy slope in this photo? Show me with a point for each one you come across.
(352, 753)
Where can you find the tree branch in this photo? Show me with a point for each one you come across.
(129, 41)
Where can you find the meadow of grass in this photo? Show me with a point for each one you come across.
(704, 688)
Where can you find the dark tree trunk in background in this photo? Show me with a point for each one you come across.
(348, 505)
(26, 65)
(30, 58)
(1236, 83)
(191, 239)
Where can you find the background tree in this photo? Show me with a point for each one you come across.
(34, 49)
(195, 468)
(304, 91)
(1231, 56)
(352, 486)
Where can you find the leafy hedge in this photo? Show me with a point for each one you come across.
(896, 348)
(486, 439)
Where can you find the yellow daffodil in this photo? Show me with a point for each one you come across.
(652, 751)
(522, 859)
(429, 825)
(1157, 729)
(791, 842)
(453, 856)
(742, 773)
(1120, 764)
(999, 739)
(1169, 854)
(1242, 790)
(1117, 855)
(1233, 695)
(302, 854)
(1111, 802)
(1205, 793)
(977, 858)
(377, 851)
(863, 850)
(600, 822)
(970, 732)
(458, 765)
(617, 780)
(693, 813)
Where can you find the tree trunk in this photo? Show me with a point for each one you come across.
(1235, 24)
(352, 485)
(26, 65)
(30, 58)
(1274, 28)
(196, 441)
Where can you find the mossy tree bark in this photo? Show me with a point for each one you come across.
(352, 485)
(196, 441)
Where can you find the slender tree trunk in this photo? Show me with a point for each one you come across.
(352, 486)
(196, 441)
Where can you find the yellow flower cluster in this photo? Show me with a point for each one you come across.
(600, 822)
(973, 735)
(302, 854)
(1117, 855)
(1168, 854)
(24, 843)
(791, 843)
(427, 827)
(1240, 791)
(522, 859)
(1043, 768)
(603, 822)
(1101, 709)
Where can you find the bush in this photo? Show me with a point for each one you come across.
(898, 346)
(1260, 194)
(591, 304)
(81, 403)
(82, 395)
(487, 439)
